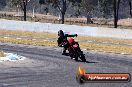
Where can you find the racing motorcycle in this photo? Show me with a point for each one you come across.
(75, 51)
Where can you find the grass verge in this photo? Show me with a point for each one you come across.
(27, 33)
(53, 36)
(108, 48)
(2, 54)
(88, 46)
(29, 42)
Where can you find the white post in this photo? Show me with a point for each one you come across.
(33, 12)
(18, 11)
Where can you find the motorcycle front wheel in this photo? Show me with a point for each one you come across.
(82, 56)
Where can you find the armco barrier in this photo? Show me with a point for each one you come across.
(53, 28)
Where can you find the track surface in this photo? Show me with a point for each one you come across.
(46, 67)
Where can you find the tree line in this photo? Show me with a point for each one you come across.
(101, 8)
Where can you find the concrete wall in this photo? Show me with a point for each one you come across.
(80, 30)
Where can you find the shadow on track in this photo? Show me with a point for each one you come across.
(67, 54)
(86, 61)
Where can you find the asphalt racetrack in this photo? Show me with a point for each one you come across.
(46, 67)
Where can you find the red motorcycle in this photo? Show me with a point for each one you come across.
(75, 51)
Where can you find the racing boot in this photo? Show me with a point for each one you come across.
(64, 52)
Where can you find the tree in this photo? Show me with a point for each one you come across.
(61, 5)
(2, 3)
(23, 5)
(104, 8)
(88, 6)
(130, 5)
(43, 2)
(116, 11)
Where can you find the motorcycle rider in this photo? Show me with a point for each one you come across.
(62, 40)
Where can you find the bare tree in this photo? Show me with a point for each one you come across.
(116, 12)
(88, 7)
(23, 5)
(61, 5)
(130, 5)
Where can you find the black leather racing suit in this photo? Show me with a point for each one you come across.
(63, 42)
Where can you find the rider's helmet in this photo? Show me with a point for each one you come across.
(71, 41)
(60, 33)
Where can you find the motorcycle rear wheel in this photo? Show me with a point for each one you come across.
(82, 57)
